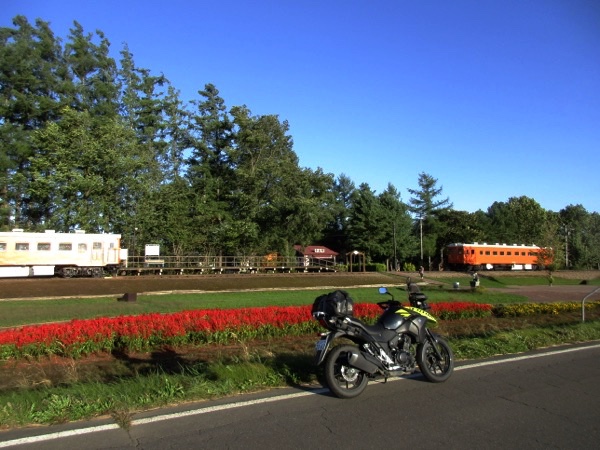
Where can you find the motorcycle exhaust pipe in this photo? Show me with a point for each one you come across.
(360, 362)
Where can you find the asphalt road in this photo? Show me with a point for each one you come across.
(539, 400)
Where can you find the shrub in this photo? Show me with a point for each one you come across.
(530, 309)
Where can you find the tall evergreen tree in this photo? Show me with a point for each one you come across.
(426, 208)
(143, 105)
(210, 173)
(336, 232)
(33, 85)
(366, 229)
(146, 109)
(399, 242)
(94, 73)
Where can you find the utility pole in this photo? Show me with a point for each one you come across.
(395, 258)
(566, 247)
(421, 232)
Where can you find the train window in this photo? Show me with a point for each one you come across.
(82, 248)
(2, 246)
(495, 253)
(65, 246)
(22, 246)
(487, 252)
(509, 253)
(502, 253)
(97, 246)
(43, 246)
(522, 253)
(481, 252)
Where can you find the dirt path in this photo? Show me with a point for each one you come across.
(57, 287)
(81, 287)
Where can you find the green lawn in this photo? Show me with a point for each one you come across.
(491, 281)
(22, 312)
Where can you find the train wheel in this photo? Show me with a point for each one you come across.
(65, 272)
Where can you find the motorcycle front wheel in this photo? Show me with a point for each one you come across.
(343, 380)
(433, 367)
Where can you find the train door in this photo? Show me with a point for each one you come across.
(113, 254)
(97, 253)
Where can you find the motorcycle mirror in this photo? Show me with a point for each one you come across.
(383, 290)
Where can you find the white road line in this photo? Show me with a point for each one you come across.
(61, 434)
(209, 409)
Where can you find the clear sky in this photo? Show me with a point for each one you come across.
(494, 99)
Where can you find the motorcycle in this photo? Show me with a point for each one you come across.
(395, 345)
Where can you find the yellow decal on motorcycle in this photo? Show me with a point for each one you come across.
(418, 311)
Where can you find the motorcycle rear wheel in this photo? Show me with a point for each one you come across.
(343, 380)
(433, 368)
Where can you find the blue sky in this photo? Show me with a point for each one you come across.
(494, 99)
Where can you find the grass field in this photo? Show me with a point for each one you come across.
(24, 312)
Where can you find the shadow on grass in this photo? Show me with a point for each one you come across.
(164, 360)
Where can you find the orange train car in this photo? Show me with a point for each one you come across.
(485, 256)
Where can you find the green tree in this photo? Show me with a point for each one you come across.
(550, 241)
(426, 208)
(94, 73)
(210, 173)
(460, 227)
(367, 232)
(178, 135)
(286, 203)
(578, 231)
(143, 106)
(33, 86)
(84, 174)
(336, 231)
(593, 242)
(156, 119)
(399, 243)
(518, 221)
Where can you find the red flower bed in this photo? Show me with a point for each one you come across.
(145, 331)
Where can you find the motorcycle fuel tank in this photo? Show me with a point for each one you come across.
(391, 320)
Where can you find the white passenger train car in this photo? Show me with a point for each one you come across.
(24, 254)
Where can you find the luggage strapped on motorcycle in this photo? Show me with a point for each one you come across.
(327, 308)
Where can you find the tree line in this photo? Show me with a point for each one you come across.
(94, 143)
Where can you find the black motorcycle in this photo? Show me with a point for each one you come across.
(395, 345)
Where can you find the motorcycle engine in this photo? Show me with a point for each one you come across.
(399, 354)
(403, 355)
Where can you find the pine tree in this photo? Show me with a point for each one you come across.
(426, 209)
